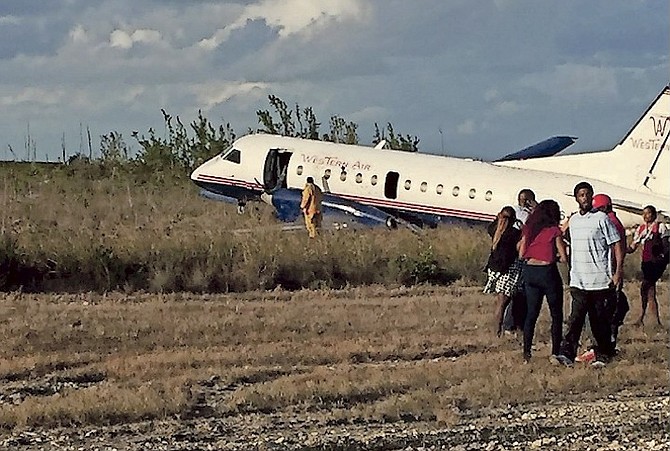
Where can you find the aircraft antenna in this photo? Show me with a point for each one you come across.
(441, 139)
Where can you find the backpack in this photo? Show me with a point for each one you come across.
(659, 246)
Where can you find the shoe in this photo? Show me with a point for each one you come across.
(586, 357)
(564, 360)
(553, 359)
(526, 358)
(598, 364)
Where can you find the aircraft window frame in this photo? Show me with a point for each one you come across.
(408, 185)
(326, 174)
(343, 176)
(299, 170)
(359, 178)
(234, 156)
(488, 195)
(424, 187)
(439, 189)
(472, 193)
(373, 180)
(455, 191)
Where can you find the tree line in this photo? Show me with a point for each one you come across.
(183, 148)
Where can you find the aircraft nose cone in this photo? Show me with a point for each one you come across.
(196, 173)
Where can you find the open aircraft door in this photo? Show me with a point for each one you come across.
(275, 169)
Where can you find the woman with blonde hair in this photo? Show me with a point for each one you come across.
(503, 266)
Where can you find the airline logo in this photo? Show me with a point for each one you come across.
(659, 125)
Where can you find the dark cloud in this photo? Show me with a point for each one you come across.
(245, 42)
(494, 76)
(31, 37)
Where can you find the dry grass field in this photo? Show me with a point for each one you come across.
(73, 229)
(360, 354)
(93, 228)
(131, 302)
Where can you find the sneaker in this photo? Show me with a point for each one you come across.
(598, 364)
(564, 360)
(526, 358)
(586, 357)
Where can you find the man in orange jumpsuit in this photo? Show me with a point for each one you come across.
(311, 206)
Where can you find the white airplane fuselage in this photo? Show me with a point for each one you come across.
(394, 181)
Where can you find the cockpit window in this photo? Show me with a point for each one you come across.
(233, 155)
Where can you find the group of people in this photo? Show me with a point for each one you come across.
(527, 244)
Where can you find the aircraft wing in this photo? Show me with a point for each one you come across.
(546, 148)
(217, 197)
(636, 208)
(287, 205)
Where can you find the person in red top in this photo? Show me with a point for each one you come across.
(541, 247)
(653, 236)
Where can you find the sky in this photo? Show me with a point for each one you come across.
(476, 79)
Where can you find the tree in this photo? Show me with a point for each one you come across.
(395, 142)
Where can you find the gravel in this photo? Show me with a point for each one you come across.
(625, 421)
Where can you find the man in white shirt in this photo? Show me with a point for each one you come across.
(592, 279)
(525, 204)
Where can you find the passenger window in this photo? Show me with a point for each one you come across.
(359, 178)
(298, 170)
(455, 191)
(326, 174)
(472, 193)
(489, 195)
(408, 184)
(373, 180)
(343, 175)
(233, 156)
(439, 189)
(424, 187)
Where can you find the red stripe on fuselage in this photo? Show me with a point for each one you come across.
(404, 206)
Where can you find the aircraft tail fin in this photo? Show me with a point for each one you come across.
(644, 152)
(641, 160)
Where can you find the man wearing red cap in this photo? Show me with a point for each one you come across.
(603, 203)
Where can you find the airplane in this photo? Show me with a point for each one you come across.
(373, 186)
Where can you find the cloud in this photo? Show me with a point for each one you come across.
(466, 128)
(214, 93)
(579, 82)
(78, 34)
(289, 17)
(121, 39)
(9, 20)
(507, 107)
(125, 40)
(465, 68)
(35, 96)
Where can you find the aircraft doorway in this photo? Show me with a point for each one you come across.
(275, 169)
(391, 185)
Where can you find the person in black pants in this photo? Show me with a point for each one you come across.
(541, 246)
(592, 237)
(515, 313)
